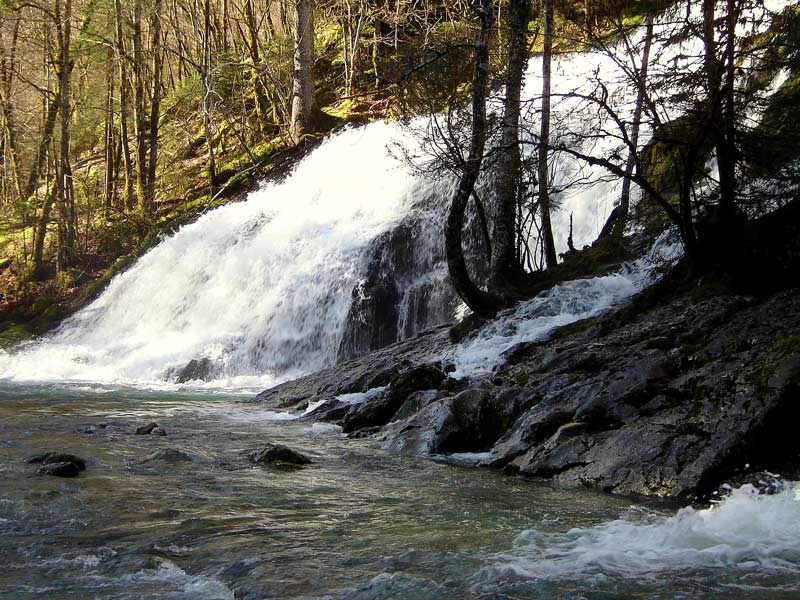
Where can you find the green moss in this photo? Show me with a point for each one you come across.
(776, 140)
(14, 334)
(521, 378)
(780, 349)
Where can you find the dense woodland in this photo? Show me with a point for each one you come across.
(123, 118)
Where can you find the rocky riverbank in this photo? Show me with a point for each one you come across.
(670, 400)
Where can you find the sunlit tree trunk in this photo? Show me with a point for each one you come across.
(303, 79)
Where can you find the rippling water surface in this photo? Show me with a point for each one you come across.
(357, 524)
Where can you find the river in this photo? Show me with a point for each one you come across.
(359, 523)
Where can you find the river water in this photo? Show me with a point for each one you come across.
(359, 523)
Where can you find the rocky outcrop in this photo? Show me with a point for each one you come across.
(405, 289)
(668, 402)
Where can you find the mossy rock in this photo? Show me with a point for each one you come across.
(14, 334)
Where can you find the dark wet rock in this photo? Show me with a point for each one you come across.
(58, 464)
(470, 421)
(382, 408)
(384, 307)
(169, 455)
(356, 376)
(667, 401)
(197, 369)
(60, 469)
(278, 455)
(48, 458)
(151, 429)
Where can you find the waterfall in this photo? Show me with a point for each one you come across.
(341, 257)
(260, 289)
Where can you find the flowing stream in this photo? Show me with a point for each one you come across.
(357, 524)
(263, 291)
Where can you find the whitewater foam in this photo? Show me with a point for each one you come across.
(746, 533)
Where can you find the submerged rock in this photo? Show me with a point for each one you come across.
(58, 464)
(168, 455)
(151, 429)
(278, 455)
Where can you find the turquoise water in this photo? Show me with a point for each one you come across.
(359, 523)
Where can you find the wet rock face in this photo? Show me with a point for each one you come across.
(674, 402)
(197, 369)
(671, 402)
(397, 298)
(381, 409)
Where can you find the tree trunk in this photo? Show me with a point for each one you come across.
(509, 176)
(64, 184)
(303, 79)
(124, 107)
(262, 104)
(139, 107)
(155, 107)
(641, 83)
(6, 102)
(717, 117)
(544, 138)
(477, 299)
(109, 137)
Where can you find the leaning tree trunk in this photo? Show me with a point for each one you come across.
(477, 299)
(303, 80)
(509, 171)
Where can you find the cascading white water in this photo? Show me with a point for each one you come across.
(262, 287)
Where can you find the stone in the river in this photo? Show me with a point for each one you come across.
(168, 455)
(58, 464)
(150, 429)
(56, 457)
(278, 455)
(382, 408)
(196, 369)
(60, 469)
